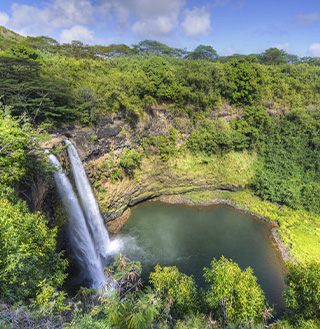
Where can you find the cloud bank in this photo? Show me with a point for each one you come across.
(196, 22)
(314, 49)
(4, 18)
(79, 18)
(77, 32)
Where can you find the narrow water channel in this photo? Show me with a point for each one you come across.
(189, 237)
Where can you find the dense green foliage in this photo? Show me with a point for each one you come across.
(24, 92)
(248, 129)
(234, 300)
(27, 246)
(272, 106)
(291, 171)
(234, 295)
(27, 252)
(128, 306)
(211, 137)
(15, 144)
(55, 83)
(130, 160)
(172, 300)
(289, 148)
(176, 288)
(303, 293)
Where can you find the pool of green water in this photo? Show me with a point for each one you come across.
(190, 237)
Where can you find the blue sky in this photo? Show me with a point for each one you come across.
(229, 26)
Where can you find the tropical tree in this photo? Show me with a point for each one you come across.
(211, 137)
(162, 83)
(152, 47)
(245, 79)
(130, 159)
(254, 123)
(302, 296)
(15, 145)
(27, 252)
(234, 295)
(176, 289)
(273, 56)
(203, 52)
(26, 92)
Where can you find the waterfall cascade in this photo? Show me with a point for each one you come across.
(89, 204)
(88, 237)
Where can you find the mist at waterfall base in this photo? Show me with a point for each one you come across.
(189, 238)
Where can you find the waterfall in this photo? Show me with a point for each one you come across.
(89, 204)
(82, 244)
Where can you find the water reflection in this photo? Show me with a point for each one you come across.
(189, 237)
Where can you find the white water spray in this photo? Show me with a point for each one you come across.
(81, 242)
(89, 204)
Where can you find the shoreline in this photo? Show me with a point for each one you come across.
(116, 225)
(284, 252)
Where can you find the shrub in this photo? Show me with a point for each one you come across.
(27, 252)
(290, 172)
(176, 289)
(249, 128)
(302, 296)
(211, 137)
(116, 175)
(126, 306)
(234, 295)
(130, 159)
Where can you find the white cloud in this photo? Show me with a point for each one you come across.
(155, 8)
(160, 26)
(197, 21)
(26, 20)
(31, 20)
(156, 18)
(140, 8)
(144, 17)
(230, 50)
(283, 46)
(4, 18)
(77, 32)
(151, 18)
(314, 49)
(306, 19)
(71, 12)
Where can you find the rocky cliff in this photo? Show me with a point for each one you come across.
(107, 140)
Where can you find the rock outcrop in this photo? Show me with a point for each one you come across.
(112, 134)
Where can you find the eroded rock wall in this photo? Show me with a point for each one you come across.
(113, 133)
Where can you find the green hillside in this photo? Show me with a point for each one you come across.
(8, 34)
(155, 121)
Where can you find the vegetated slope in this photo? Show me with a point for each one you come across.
(229, 104)
(243, 121)
(10, 35)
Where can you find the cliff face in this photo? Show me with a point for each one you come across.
(111, 136)
(114, 133)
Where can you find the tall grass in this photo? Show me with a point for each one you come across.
(233, 168)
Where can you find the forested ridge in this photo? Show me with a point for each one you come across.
(260, 108)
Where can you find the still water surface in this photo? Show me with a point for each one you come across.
(189, 238)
